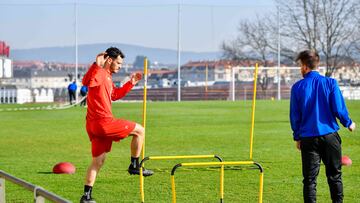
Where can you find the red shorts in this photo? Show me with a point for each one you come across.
(103, 132)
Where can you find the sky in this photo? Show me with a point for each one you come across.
(205, 24)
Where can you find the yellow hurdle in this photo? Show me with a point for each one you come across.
(144, 125)
(173, 188)
(144, 104)
(222, 164)
(261, 187)
(159, 157)
(253, 112)
(183, 157)
(142, 193)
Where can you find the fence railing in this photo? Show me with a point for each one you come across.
(40, 194)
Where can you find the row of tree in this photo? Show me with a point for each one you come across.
(331, 27)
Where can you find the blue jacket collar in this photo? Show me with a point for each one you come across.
(311, 74)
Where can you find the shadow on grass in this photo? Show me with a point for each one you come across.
(45, 172)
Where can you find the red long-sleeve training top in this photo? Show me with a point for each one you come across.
(101, 92)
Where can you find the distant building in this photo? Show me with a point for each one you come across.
(32, 78)
(162, 78)
(43, 95)
(156, 78)
(6, 70)
(13, 95)
(200, 71)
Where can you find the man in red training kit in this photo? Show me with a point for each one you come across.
(101, 125)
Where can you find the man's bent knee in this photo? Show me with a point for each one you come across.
(99, 160)
(138, 131)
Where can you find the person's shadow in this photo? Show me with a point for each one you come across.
(45, 172)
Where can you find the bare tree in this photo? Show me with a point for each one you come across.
(327, 26)
(253, 41)
(232, 50)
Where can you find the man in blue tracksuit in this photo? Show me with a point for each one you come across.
(72, 91)
(316, 102)
(83, 92)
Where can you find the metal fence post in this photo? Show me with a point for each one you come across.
(38, 198)
(39, 193)
(2, 190)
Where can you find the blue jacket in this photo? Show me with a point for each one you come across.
(72, 87)
(316, 102)
(84, 89)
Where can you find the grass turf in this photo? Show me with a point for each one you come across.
(32, 142)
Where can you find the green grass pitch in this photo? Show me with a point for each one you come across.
(32, 142)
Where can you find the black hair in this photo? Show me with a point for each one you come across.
(113, 53)
(309, 58)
